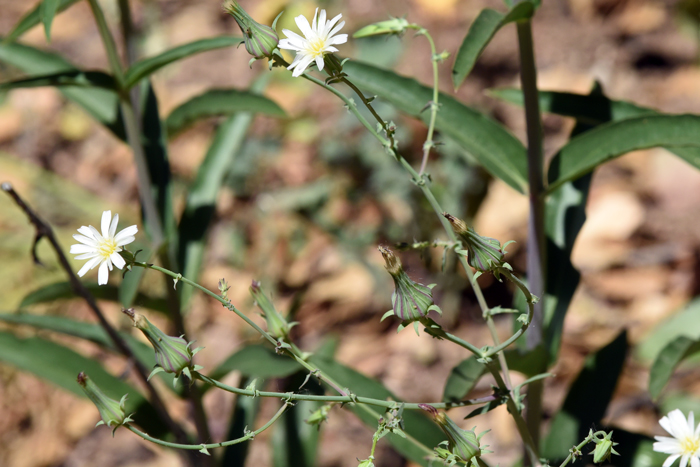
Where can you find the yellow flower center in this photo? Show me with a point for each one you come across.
(106, 247)
(690, 446)
(316, 47)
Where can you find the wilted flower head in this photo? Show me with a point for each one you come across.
(685, 443)
(111, 411)
(173, 354)
(411, 300)
(102, 249)
(395, 26)
(464, 444)
(319, 39)
(260, 40)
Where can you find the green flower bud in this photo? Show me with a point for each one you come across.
(366, 462)
(277, 326)
(604, 449)
(483, 253)
(173, 354)
(111, 411)
(391, 26)
(319, 416)
(260, 40)
(464, 444)
(411, 300)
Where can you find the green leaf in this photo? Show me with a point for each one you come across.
(101, 104)
(462, 379)
(493, 146)
(667, 361)
(61, 365)
(587, 400)
(583, 153)
(257, 361)
(35, 16)
(78, 78)
(480, 34)
(683, 323)
(218, 102)
(202, 194)
(47, 10)
(488, 407)
(63, 290)
(147, 66)
(416, 423)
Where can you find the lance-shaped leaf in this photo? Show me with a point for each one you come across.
(147, 66)
(37, 15)
(493, 146)
(47, 10)
(218, 102)
(668, 359)
(79, 78)
(482, 30)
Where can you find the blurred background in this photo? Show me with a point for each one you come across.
(310, 197)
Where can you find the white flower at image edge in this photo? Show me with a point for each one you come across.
(685, 442)
(102, 249)
(317, 41)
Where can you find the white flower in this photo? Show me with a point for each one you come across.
(318, 40)
(102, 249)
(685, 442)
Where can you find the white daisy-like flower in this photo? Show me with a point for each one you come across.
(102, 249)
(685, 442)
(319, 39)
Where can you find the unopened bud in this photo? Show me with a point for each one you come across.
(260, 40)
(111, 411)
(319, 416)
(277, 326)
(462, 443)
(173, 354)
(604, 449)
(483, 253)
(391, 26)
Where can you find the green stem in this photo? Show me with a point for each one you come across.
(223, 444)
(591, 436)
(536, 252)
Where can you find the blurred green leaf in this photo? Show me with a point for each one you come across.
(667, 361)
(218, 102)
(47, 10)
(416, 423)
(480, 33)
(492, 146)
(605, 142)
(77, 78)
(245, 412)
(63, 290)
(147, 66)
(528, 363)
(101, 104)
(587, 400)
(462, 379)
(488, 407)
(36, 15)
(684, 323)
(257, 361)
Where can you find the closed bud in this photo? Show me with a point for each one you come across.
(173, 354)
(111, 411)
(604, 449)
(366, 462)
(483, 253)
(411, 300)
(391, 26)
(277, 326)
(464, 444)
(318, 416)
(260, 40)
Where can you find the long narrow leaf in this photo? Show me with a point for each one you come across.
(583, 153)
(667, 361)
(482, 30)
(217, 102)
(78, 78)
(492, 145)
(34, 17)
(145, 67)
(47, 10)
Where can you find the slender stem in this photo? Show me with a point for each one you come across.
(43, 229)
(591, 436)
(223, 444)
(536, 252)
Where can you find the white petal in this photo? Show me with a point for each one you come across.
(320, 26)
(113, 226)
(679, 424)
(288, 45)
(684, 460)
(80, 248)
(106, 218)
(125, 234)
(85, 230)
(89, 265)
(694, 462)
(691, 422)
(304, 27)
(89, 255)
(337, 40)
(301, 66)
(95, 234)
(103, 274)
(319, 62)
(117, 260)
(670, 460)
(328, 31)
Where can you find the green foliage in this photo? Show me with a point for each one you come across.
(43, 12)
(47, 11)
(668, 359)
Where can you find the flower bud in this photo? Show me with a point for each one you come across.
(411, 300)
(483, 253)
(391, 26)
(319, 416)
(277, 326)
(260, 40)
(366, 462)
(111, 411)
(173, 354)
(462, 443)
(604, 449)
